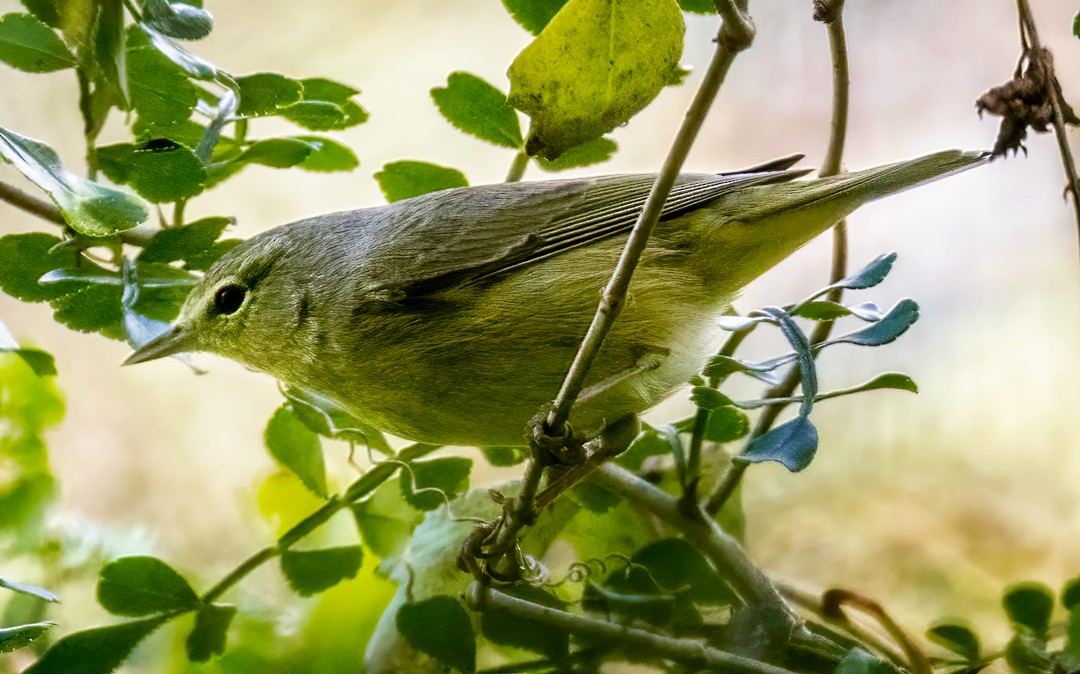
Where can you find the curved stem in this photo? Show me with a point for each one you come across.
(831, 166)
(517, 169)
(691, 651)
(362, 487)
(45, 210)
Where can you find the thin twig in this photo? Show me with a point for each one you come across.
(517, 169)
(705, 534)
(45, 210)
(831, 166)
(690, 651)
(1029, 32)
(736, 33)
(362, 487)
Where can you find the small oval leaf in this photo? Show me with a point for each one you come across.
(313, 571)
(440, 627)
(406, 179)
(297, 448)
(140, 585)
(793, 444)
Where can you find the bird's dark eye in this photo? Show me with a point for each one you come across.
(229, 298)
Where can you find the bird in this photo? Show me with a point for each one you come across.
(452, 317)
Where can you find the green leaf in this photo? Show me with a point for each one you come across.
(194, 66)
(1070, 655)
(41, 362)
(277, 152)
(1076, 25)
(720, 366)
(406, 179)
(110, 52)
(184, 243)
(698, 6)
(649, 442)
(726, 424)
(594, 498)
(23, 588)
(328, 419)
(957, 637)
(709, 398)
(14, 638)
(672, 566)
(141, 585)
(93, 308)
(160, 91)
(159, 170)
(1029, 604)
(179, 20)
(1070, 594)
(478, 109)
(326, 106)
(297, 448)
(533, 15)
(28, 44)
(824, 310)
(504, 456)
(870, 275)
(449, 475)
(267, 94)
(313, 571)
(441, 628)
(88, 207)
(385, 521)
(209, 635)
(887, 330)
(858, 661)
(503, 627)
(1026, 654)
(327, 155)
(99, 650)
(595, 66)
(889, 380)
(28, 257)
(792, 444)
(588, 153)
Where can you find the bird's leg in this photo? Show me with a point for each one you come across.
(611, 441)
(645, 363)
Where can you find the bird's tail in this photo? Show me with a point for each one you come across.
(766, 223)
(844, 193)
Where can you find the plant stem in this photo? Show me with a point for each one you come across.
(695, 652)
(1027, 25)
(91, 126)
(45, 210)
(363, 486)
(704, 534)
(517, 169)
(701, 417)
(832, 12)
(736, 33)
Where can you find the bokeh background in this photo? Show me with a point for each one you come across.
(929, 503)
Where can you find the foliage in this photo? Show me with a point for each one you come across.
(593, 66)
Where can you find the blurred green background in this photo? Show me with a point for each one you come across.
(928, 503)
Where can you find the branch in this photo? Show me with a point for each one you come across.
(705, 534)
(695, 652)
(736, 33)
(550, 431)
(1027, 25)
(45, 210)
(832, 13)
(363, 486)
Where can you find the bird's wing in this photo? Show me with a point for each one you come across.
(486, 231)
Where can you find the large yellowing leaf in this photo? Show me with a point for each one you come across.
(596, 65)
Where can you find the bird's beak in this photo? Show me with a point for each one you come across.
(174, 340)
